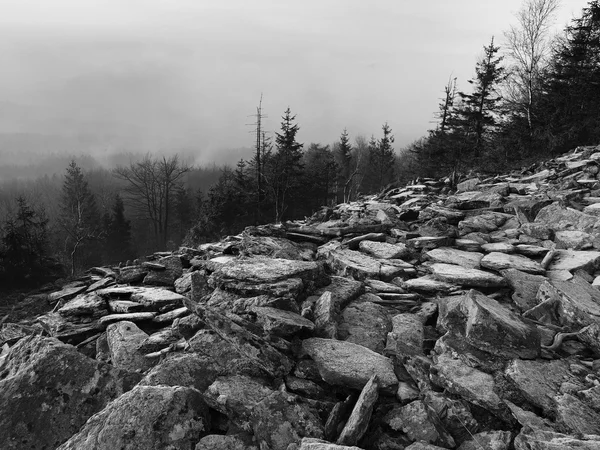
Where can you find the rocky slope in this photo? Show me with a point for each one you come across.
(424, 318)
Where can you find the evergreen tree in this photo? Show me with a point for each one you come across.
(381, 160)
(118, 236)
(569, 110)
(343, 158)
(319, 175)
(24, 244)
(477, 114)
(283, 169)
(79, 215)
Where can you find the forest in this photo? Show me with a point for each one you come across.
(536, 96)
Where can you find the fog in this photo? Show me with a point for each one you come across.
(110, 76)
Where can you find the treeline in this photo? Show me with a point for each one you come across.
(538, 96)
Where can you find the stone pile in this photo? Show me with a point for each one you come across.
(420, 319)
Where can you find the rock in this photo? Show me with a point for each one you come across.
(539, 381)
(501, 261)
(124, 341)
(170, 316)
(485, 223)
(498, 247)
(357, 424)
(365, 323)
(419, 424)
(537, 231)
(318, 444)
(532, 251)
(469, 260)
(326, 314)
(467, 185)
(91, 305)
(474, 200)
(132, 274)
(236, 396)
(382, 250)
(281, 323)
(11, 333)
(473, 385)
(172, 270)
(148, 417)
(575, 240)
(183, 284)
(48, 390)
(428, 285)
(530, 439)
(275, 247)
(487, 325)
(492, 440)
(428, 242)
(67, 330)
(573, 260)
(130, 317)
(574, 303)
(525, 287)
(259, 270)
(360, 266)
(280, 420)
(66, 293)
(238, 344)
(343, 290)
(159, 341)
(183, 369)
(576, 415)
(224, 442)
(558, 218)
(383, 287)
(124, 306)
(406, 337)
(347, 364)
(454, 274)
(422, 446)
(153, 299)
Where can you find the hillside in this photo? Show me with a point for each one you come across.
(421, 318)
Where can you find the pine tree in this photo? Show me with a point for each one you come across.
(381, 160)
(79, 215)
(477, 114)
(24, 244)
(118, 238)
(283, 169)
(343, 158)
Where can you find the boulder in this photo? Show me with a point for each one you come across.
(365, 323)
(559, 218)
(348, 364)
(489, 326)
(48, 390)
(147, 417)
(124, 342)
(281, 323)
(383, 250)
(359, 419)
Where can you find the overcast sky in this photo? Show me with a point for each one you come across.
(188, 73)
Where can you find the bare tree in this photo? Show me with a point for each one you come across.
(151, 186)
(528, 48)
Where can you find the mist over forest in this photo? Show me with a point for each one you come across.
(108, 194)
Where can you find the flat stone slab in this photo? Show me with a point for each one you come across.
(447, 255)
(361, 266)
(383, 250)
(454, 274)
(502, 261)
(573, 260)
(151, 297)
(132, 317)
(347, 364)
(84, 305)
(281, 323)
(428, 285)
(267, 270)
(525, 287)
(365, 323)
(501, 247)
